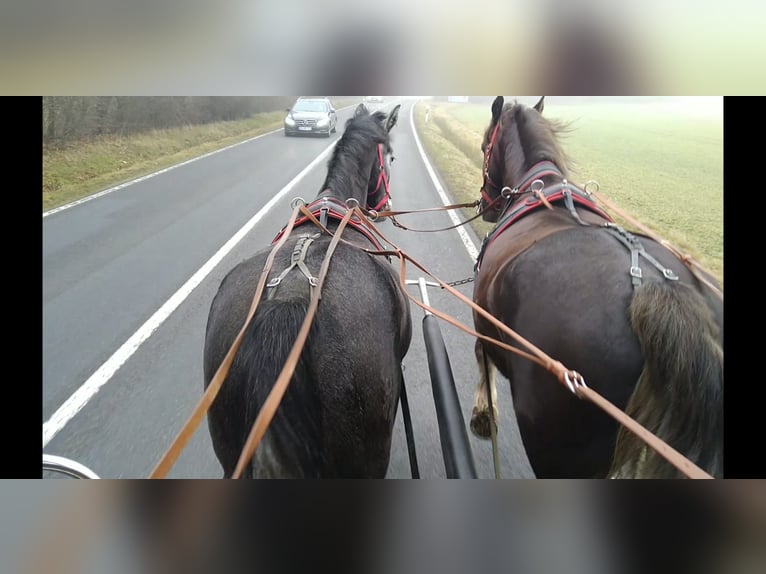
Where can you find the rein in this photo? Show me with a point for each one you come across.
(266, 414)
(171, 455)
(567, 377)
(392, 214)
(269, 408)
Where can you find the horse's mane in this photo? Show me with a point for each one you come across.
(360, 133)
(534, 138)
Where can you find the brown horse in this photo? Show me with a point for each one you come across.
(618, 308)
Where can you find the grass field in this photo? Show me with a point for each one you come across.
(663, 165)
(80, 169)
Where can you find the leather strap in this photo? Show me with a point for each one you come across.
(171, 455)
(687, 259)
(636, 249)
(297, 259)
(393, 214)
(269, 408)
(570, 204)
(570, 379)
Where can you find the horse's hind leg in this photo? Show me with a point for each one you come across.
(480, 419)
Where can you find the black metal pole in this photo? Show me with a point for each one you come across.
(458, 458)
(408, 431)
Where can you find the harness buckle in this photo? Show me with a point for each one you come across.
(636, 272)
(508, 192)
(668, 273)
(274, 282)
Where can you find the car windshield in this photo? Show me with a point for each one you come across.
(310, 106)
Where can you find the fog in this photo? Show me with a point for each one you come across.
(266, 47)
(544, 527)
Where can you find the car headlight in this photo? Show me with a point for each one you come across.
(289, 121)
(323, 122)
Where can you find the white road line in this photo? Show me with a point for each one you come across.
(467, 241)
(89, 388)
(145, 177)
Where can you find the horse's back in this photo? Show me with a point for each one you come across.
(349, 376)
(577, 280)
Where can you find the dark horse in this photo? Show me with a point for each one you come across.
(336, 418)
(618, 308)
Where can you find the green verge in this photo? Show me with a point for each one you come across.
(82, 168)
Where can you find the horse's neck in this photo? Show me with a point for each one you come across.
(347, 182)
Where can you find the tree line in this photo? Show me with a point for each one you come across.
(68, 118)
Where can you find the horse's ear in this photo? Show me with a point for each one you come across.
(360, 110)
(393, 117)
(539, 105)
(497, 108)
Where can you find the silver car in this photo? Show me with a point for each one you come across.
(311, 116)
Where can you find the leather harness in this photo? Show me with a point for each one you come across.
(571, 197)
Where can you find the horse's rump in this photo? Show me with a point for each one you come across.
(319, 421)
(569, 293)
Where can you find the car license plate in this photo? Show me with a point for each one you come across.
(304, 128)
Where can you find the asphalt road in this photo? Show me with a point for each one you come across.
(111, 263)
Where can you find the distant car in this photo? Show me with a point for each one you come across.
(374, 99)
(311, 116)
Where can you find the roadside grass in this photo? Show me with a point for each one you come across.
(662, 166)
(80, 169)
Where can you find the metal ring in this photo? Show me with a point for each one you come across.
(507, 194)
(577, 382)
(569, 383)
(351, 205)
(540, 185)
(591, 183)
(372, 215)
(67, 466)
(297, 201)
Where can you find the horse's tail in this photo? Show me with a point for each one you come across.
(679, 394)
(291, 445)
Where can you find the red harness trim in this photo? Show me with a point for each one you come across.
(552, 194)
(316, 207)
(354, 222)
(381, 178)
